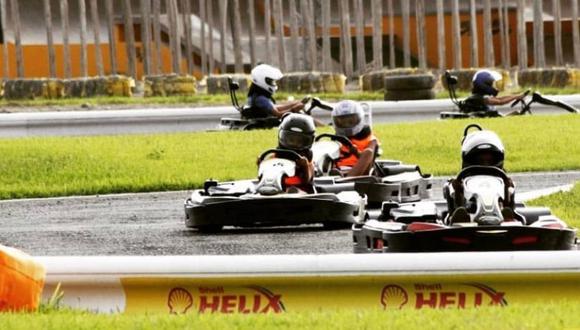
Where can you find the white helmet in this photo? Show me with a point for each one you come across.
(348, 118)
(482, 148)
(265, 76)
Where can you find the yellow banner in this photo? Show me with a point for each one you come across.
(282, 294)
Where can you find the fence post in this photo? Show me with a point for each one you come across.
(211, 45)
(5, 62)
(202, 39)
(279, 19)
(65, 40)
(252, 31)
(146, 35)
(420, 22)
(294, 32)
(174, 36)
(575, 33)
(268, 29)
(129, 38)
(392, 59)
(187, 36)
(501, 32)
(17, 38)
(405, 8)
(326, 55)
(539, 54)
(473, 33)
(111, 34)
(507, 43)
(377, 16)
(49, 41)
(223, 6)
(441, 35)
(236, 26)
(97, 37)
(360, 41)
(557, 13)
(522, 41)
(83, 21)
(456, 23)
(345, 44)
(157, 36)
(307, 12)
(489, 55)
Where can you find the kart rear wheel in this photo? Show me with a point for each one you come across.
(209, 229)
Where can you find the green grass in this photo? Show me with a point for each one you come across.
(566, 205)
(196, 100)
(552, 315)
(58, 166)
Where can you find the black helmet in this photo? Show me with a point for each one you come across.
(296, 132)
(482, 147)
(483, 82)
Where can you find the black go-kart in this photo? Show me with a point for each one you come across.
(266, 202)
(248, 122)
(485, 223)
(472, 107)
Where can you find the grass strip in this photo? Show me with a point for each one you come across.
(549, 315)
(60, 166)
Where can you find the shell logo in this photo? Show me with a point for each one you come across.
(179, 301)
(394, 297)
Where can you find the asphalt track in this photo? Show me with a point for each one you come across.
(166, 120)
(153, 224)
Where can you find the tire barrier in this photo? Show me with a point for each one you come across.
(410, 87)
(312, 82)
(218, 84)
(465, 78)
(21, 280)
(277, 284)
(375, 81)
(170, 85)
(556, 77)
(60, 88)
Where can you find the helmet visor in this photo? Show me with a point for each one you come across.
(485, 157)
(347, 121)
(295, 140)
(271, 82)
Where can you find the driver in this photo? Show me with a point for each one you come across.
(348, 120)
(261, 103)
(296, 133)
(484, 95)
(479, 148)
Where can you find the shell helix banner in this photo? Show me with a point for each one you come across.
(282, 294)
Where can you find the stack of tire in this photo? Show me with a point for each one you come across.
(410, 87)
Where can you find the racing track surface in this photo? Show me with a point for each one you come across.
(166, 120)
(152, 224)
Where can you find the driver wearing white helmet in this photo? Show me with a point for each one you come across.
(348, 120)
(484, 95)
(260, 96)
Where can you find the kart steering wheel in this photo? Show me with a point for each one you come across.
(516, 102)
(282, 153)
(338, 138)
(483, 170)
(316, 103)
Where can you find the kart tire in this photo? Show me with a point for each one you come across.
(209, 229)
(418, 94)
(410, 82)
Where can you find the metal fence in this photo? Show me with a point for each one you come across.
(203, 37)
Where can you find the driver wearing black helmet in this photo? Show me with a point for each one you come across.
(296, 133)
(484, 95)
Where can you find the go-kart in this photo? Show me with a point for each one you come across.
(265, 202)
(484, 224)
(248, 122)
(468, 109)
(388, 179)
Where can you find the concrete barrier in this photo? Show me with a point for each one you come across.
(170, 85)
(277, 284)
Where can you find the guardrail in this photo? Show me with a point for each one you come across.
(275, 284)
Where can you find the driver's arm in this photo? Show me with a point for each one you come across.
(306, 169)
(503, 99)
(293, 106)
